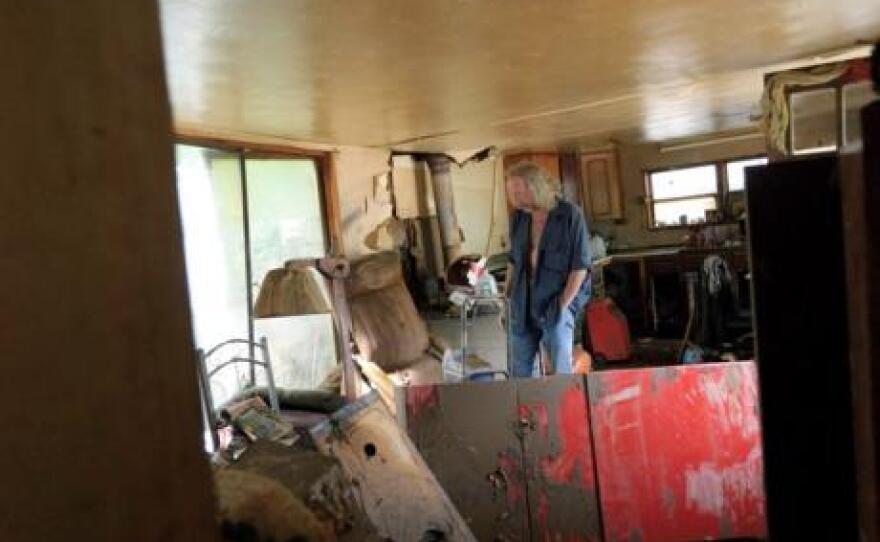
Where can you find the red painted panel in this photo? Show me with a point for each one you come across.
(678, 452)
(558, 455)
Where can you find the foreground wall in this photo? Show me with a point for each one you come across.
(103, 436)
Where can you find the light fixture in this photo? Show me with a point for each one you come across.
(710, 141)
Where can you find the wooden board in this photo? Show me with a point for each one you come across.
(99, 386)
(602, 188)
(549, 161)
(514, 456)
(794, 210)
(861, 199)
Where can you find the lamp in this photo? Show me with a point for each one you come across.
(295, 290)
(292, 290)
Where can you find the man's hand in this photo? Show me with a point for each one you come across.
(572, 286)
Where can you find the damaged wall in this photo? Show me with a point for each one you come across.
(633, 232)
(362, 204)
(476, 185)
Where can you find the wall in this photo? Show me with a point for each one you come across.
(360, 208)
(103, 438)
(477, 187)
(474, 186)
(633, 231)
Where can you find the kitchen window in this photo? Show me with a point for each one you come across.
(684, 196)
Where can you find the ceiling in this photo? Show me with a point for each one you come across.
(445, 75)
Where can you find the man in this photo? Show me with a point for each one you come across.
(547, 274)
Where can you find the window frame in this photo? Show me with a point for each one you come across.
(721, 195)
(327, 185)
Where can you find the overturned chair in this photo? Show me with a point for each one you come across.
(389, 332)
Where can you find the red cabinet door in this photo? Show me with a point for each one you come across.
(678, 452)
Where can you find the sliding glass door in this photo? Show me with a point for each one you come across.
(286, 222)
(243, 216)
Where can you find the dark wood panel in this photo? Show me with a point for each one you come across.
(570, 176)
(104, 438)
(861, 200)
(799, 293)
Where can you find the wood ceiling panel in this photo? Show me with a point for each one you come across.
(445, 75)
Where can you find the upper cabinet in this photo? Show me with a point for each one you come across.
(602, 191)
(547, 160)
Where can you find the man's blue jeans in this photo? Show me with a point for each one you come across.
(557, 338)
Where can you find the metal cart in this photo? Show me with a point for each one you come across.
(473, 301)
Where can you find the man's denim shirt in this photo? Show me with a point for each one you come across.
(564, 248)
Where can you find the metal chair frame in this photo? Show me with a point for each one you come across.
(205, 378)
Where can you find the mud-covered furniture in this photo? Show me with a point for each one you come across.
(387, 328)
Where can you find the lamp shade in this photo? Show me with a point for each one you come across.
(291, 291)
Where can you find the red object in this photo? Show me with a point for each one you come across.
(609, 330)
(678, 452)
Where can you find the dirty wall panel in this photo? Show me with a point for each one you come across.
(678, 453)
(467, 434)
(554, 419)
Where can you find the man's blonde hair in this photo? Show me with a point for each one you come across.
(543, 187)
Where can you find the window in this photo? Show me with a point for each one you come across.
(683, 196)
(814, 121)
(274, 207)
(736, 172)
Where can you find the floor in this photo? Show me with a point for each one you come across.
(485, 339)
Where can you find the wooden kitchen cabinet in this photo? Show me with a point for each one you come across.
(547, 160)
(601, 191)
